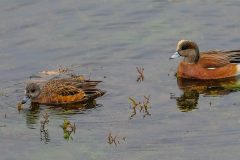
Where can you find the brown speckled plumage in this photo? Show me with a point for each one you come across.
(64, 91)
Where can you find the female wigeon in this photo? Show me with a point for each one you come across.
(206, 65)
(63, 91)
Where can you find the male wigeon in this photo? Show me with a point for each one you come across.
(213, 64)
(62, 91)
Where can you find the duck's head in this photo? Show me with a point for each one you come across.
(32, 91)
(187, 49)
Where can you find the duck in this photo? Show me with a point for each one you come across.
(62, 91)
(212, 64)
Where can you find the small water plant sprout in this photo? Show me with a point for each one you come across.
(142, 105)
(68, 128)
(19, 106)
(113, 139)
(140, 71)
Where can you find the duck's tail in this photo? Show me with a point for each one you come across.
(234, 56)
(86, 84)
(93, 93)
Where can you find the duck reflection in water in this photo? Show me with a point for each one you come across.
(192, 89)
(32, 114)
(35, 112)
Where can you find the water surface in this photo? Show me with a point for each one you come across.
(109, 39)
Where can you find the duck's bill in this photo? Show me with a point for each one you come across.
(175, 55)
(25, 99)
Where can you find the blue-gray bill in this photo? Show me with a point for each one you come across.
(175, 55)
(25, 99)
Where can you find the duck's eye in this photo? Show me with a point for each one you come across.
(184, 47)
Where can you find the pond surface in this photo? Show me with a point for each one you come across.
(109, 39)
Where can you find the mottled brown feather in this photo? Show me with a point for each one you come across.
(68, 90)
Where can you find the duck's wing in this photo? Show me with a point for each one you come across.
(61, 88)
(86, 84)
(77, 82)
(55, 93)
(78, 91)
(72, 89)
(214, 59)
(64, 90)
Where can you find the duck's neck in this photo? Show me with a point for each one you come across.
(193, 56)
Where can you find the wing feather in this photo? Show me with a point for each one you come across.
(214, 59)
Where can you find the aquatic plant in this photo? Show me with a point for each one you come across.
(68, 128)
(19, 106)
(142, 105)
(140, 71)
(113, 139)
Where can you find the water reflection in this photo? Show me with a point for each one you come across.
(188, 101)
(36, 114)
(44, 135)
(32, 116)
(33, 113)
